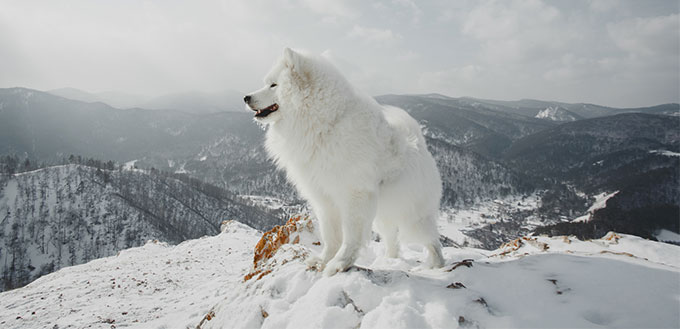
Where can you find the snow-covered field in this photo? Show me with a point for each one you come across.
(617, 281)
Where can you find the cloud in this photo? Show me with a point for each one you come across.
(333, 9)
(647, 36)
(600, 6)
(409, 8)
(515, 31)
(373, 35)
(567, 50)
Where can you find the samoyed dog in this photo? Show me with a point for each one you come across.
(358, 163)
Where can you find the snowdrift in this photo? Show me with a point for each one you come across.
(616, 281)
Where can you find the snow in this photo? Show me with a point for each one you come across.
(666, 153)
(181, 169)
(9, 193)
(130, 165)
(153, 286)
(617, 281)
(667, 236)
(574, 284)
(600, 202)
(555, 113)
(273, 204)
(454, 222)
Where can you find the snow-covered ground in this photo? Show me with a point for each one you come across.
(130, 165)
(666, 153)
(600, 202)
(273, 204)
(454, 222)
(153, 286)
(667, 236)
(617, 281)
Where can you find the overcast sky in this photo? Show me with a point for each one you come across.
(617, 53)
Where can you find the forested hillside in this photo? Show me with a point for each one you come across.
(69, 214)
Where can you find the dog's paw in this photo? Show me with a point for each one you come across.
(427, 266)
(335, 266)
(314, 262)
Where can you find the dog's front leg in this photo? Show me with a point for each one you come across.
(357, 211)
(328, 217)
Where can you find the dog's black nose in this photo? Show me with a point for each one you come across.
(246, 99)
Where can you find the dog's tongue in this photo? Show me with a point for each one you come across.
(266, 111)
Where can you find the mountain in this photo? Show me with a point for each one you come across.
(477, 128)
(225, 149)
(190, 102)
(469, 178)
(633, 154)
(585, 149)
(622, 150)
(44, 126)
(198, 102)
(70, 214)
(112, 98)
(76, 94)
(560, 282)
(488, 152)
(531, 107)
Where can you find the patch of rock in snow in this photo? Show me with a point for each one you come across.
(617, 281)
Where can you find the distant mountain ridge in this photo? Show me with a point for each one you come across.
(531, 107)
(111, 98)
(191, 102)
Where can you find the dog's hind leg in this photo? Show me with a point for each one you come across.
(358, 212)
(424, 232)
(435, 258)
(430, 234)
(389, 234)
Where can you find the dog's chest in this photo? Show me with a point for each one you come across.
(323, 159)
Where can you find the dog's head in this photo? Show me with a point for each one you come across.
(285, 88)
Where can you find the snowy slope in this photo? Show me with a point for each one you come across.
(600, 202)
(617, 281)
(65, 215)
(153, 286)
(556, 113)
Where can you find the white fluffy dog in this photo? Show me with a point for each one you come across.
(355, 161)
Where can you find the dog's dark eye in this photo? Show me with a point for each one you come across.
(273, 85)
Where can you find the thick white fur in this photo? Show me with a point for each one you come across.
(355, 161)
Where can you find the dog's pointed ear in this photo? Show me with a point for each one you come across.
(290, 58)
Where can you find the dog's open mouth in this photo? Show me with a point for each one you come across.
(266, 111)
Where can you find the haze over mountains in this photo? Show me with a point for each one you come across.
(204, 160)
(190, 102)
